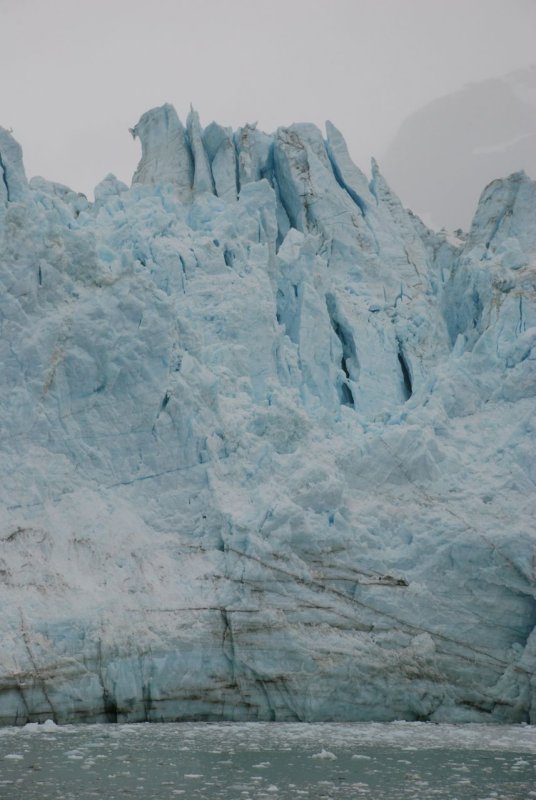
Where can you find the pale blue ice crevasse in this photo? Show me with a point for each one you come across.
(267, 442)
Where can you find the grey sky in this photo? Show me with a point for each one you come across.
(75, 74)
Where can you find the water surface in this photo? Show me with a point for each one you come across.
(406, 761)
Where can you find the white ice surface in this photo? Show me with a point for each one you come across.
(269, 457)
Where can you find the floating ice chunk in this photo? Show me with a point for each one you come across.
(325, 754)
(48, 726)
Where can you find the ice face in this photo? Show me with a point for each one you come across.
(166, 152)
(267, 441)
(13, 183)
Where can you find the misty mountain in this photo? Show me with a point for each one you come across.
(447, 151)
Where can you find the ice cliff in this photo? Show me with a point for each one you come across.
(267, 442)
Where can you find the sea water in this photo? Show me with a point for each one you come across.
(274, 761)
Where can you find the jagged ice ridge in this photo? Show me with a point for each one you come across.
(267, 442)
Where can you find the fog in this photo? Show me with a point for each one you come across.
(76, 75)
(448, 151)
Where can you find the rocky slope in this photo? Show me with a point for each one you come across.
(267, 442)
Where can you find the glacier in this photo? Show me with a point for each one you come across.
(267, 441)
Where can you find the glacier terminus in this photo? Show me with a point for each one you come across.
(267, 441)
